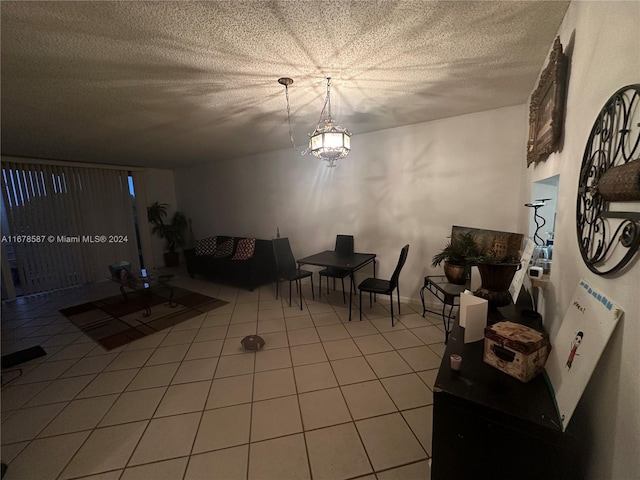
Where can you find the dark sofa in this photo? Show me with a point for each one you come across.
(233, 260)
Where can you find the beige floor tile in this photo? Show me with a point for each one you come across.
(273, 359)
(134, 406)
(438, 348)
(150, 341)
(352, 370)
(389, 441)
(230, 391)
(408, 391)
(273, 383)
(15, 396)
(166, 470)
(227, 464)
(78, 350)
(79, 415)
(130, 359)
(415, 471)
(232, 346)
(303, 336)
(357, 328)
(45, 371)
(12, 450)
(167, 437)
(223, 427)
(118, 440)
(210, 348)
(421, 422)
(109, 382)
(387, 364)
(154, 376)
(275, 418)
(269, 326)
(89, 365)
(191, 324)
(402, 339)
(61, 390)
(174, 353)
(307, 354)
(429, 377)
(183, 398)
(275, 340)
(45, 458)
(266, 315)
(232, 365)
(332, 332)
(336, 453)
(27, 423)
(323, 408)
(279, 458)
(298, 322)
(211, 333)
(429, 334)
(413, 320)
(420, 358)
(367, 399)
(316, 376)
(195, 370)
(373, 344)
(344, 348)
(242, 329)
(179, 337)
(328, 318)
(216, 320)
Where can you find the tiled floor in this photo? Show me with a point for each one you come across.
(325, 399)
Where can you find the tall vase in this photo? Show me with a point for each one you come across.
(496, 279)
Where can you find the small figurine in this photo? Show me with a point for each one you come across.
(574, 347)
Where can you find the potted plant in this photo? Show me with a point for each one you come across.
(173, 232)
(458, 255)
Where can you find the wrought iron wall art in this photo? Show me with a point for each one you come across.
(608, 230)
(546, 110)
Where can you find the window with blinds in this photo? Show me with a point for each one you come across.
(64, 225)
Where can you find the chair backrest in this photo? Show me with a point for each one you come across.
(285, 261)
(396, 273)
(344, 244)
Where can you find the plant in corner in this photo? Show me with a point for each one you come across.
(458, 255)
(173, 232)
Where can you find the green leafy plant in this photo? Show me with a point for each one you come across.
(460, 250)
(173, 232)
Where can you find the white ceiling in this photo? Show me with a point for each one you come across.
(167, 84)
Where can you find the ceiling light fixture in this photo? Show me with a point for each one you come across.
(328, 142)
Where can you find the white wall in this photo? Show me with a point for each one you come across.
(602, 40)
(398, 186)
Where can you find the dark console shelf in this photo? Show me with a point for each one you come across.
(487, 424)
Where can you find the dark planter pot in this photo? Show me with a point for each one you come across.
(496, 279)
(456, 274)
(171, 259)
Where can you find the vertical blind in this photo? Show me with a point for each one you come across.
(65, 225)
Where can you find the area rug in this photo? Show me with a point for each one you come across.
(114, 321)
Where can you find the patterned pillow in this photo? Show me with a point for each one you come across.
(206, 246)
(245, 249)
(224, 250)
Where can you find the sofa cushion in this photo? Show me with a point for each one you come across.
(206, 246)
(223, 250)
(245, 249)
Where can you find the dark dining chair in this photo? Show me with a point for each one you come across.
(385, 287)
(344, 245)
(288, 269)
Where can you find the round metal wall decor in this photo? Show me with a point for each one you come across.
(608, 203)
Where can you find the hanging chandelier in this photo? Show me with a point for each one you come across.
(328, 142)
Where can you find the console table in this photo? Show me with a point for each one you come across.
(446, 293)
(487, 424)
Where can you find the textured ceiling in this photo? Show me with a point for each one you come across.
(173, 83)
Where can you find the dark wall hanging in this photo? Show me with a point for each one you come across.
(608, 233)
(546, 110)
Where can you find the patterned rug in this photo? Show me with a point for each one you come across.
(114, 321)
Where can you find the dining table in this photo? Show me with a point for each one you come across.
(350, 262)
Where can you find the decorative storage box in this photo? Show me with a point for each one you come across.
(515, 349)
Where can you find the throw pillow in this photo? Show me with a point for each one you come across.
(206, 246)
(245, 249)
(224, 250)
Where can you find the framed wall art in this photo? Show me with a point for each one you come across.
(546, 110)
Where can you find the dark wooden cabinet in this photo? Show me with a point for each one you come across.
(487, 424)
